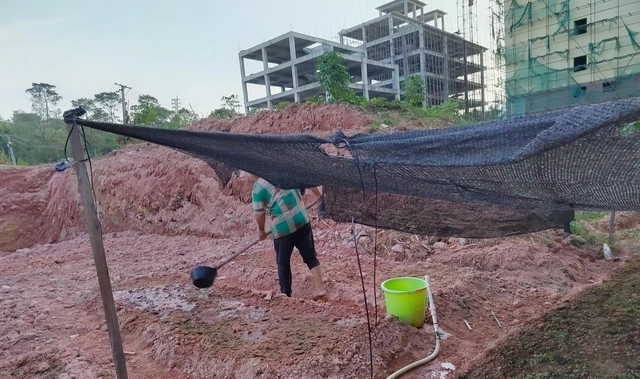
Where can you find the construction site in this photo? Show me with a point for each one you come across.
(509, 222)
(380, 53)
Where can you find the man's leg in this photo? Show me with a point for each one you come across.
(284, 248)
(304, 243)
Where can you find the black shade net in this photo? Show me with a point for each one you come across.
(484, 180)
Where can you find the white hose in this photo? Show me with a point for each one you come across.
(436, 330)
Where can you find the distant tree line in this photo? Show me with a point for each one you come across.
(39, 136)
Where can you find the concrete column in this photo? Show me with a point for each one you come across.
(423, 60)
(405, 61)
(396, 82)
(442, 22)
(414, 11)
(245, 94)
(363, 67)
(445, 69)
(393, 46)
(294, 69)
(406, 8)
(267, 81)
(482, 81)
(365, 79)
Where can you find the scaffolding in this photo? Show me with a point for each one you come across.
(496, 61)
(416, 41)
(467, 17)
(562, 53)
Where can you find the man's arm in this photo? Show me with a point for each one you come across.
(260, 219)
(259, 210)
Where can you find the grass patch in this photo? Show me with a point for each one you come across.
(589, 235)
(595, 336)
(590, 216)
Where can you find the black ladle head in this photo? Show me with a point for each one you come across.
(203, 276)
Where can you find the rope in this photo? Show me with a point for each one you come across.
(375, 244)
(355, 243)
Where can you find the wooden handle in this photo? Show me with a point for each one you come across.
(232, 256)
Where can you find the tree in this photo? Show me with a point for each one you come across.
(4, 158)
(149, 112)
(94, 111)
(228, 109)
(181, 118)
(334, 77)
(231, 102)
(44, 100)
(100, 142)
(88, 104)
(29, 145)
(413, 88)
(223, 113)
(4, 127)
(108, 102)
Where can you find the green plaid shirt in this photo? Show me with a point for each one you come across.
(285, 207)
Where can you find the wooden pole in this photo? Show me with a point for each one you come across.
(95, 235)
(612, 226)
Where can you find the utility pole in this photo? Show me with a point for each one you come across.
(97, 246)
(175, 103)
(10, 146)
(125, 118)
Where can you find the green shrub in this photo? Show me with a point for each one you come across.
(413, 88)
(282, 106)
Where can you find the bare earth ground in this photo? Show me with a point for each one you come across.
(164, 213)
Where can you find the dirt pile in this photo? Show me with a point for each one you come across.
(37, 205)
(308, 118)
(150, 189)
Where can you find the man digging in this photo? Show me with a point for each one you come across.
(291, 227)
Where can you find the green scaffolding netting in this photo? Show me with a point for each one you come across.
(533, 76)
(519, 15)
(534, 73)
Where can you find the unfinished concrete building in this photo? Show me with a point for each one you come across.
(417, 42)
(379, 54)
(289, 70)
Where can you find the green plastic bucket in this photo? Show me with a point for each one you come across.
(405, 298)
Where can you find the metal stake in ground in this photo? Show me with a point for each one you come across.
(612, 227)
(95, 235)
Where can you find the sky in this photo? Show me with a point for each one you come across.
(186, 48)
